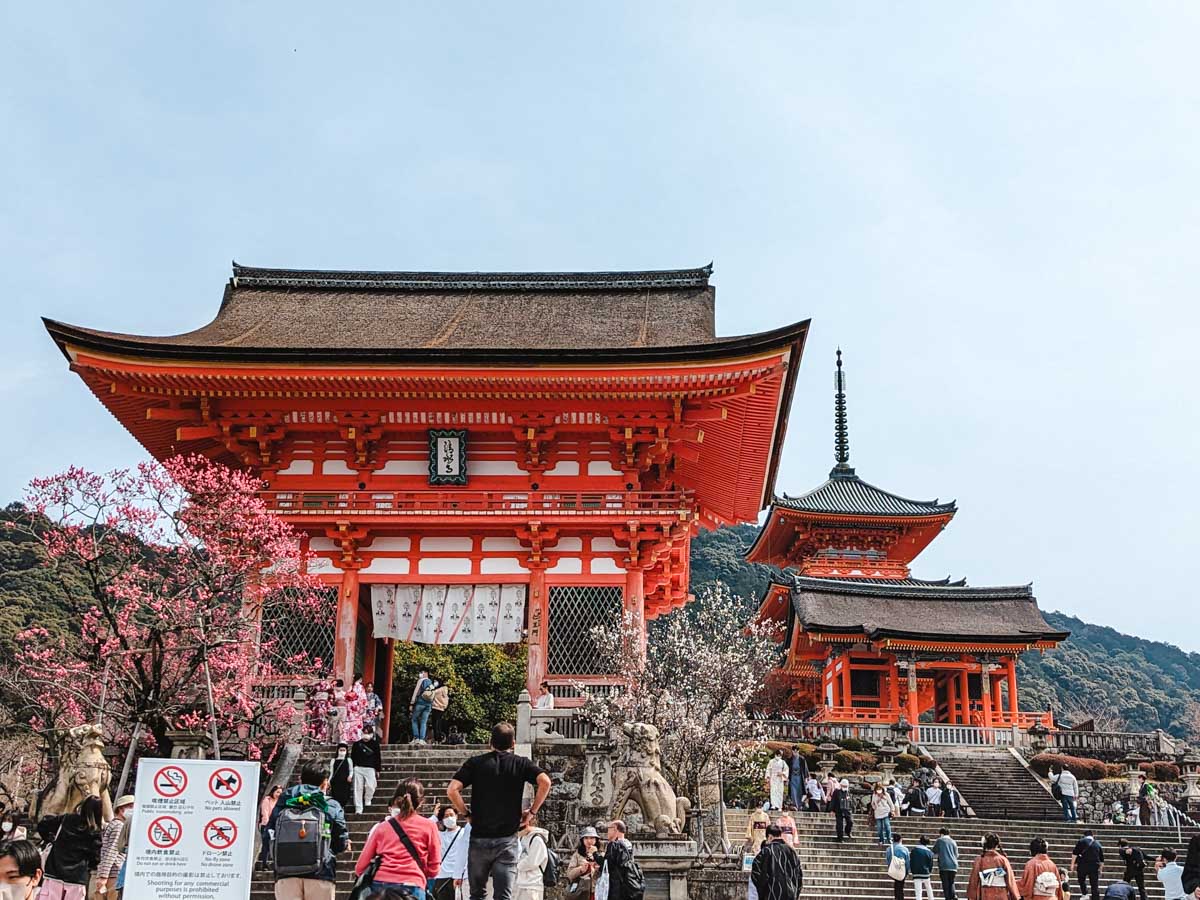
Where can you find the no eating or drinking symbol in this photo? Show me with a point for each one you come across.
(170, 781)
(225, 784)
(164, 832)
(220, 833)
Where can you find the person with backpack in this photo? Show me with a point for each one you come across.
(497, 780)
(776, 873)
(952, 807)
(456, 838)
(310, 830)
(438, 702)
(992, 875)
(945, 848)
(843, 811)
(1087, 862)
(406, 844)
(621, 877)
(533, 864)
(1147, 799)
(899, 864)
(1065, 788)
(74, 841)
(420, 706)
(914, 801)
(1040, 878)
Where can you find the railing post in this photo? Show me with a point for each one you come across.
(524, 718)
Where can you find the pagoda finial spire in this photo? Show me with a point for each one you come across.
(841, 427)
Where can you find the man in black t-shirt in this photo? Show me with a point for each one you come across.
(497, 780)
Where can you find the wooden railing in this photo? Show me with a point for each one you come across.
(857, 714)
(478, 503)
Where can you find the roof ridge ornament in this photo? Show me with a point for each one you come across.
(841, 426)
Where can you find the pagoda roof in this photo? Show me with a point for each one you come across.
(849, 495)
(922, 612)
(380, 317)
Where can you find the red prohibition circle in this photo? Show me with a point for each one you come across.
(225, 784)
(164, 832)
(170, 781)
(220, 833)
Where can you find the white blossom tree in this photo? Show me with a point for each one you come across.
(702, 667)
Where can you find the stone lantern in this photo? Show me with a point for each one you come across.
(1038, 733)
(900, 733)
(1133, 771)
(1190, 764)
(887, 766)
(828, 751)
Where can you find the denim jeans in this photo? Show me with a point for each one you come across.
(265, 856)
(883, 830)
(420, 718)
(378, 887)
(1069, 813)
(494, 858)
(948, 876)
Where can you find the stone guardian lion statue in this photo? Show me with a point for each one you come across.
(84, 773)
(642, 782)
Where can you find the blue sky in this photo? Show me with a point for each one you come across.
(992, 208)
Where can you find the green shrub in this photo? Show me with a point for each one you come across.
(850, 744)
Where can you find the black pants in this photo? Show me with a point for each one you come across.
(948, 884)
(435, 725)
(898, 888)
(845, 823)
(1138, 877)
(1094, 878)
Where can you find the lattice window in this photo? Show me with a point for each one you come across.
(287, 634)
(574, 612)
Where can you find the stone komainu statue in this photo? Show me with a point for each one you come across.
(84, 773)
(642, 782)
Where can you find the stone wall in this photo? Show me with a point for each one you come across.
(1096, 798)
(717, 882)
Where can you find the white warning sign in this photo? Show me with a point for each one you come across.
(192, 834)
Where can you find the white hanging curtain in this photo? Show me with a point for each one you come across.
(449, 613)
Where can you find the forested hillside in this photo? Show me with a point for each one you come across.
(1120, 680)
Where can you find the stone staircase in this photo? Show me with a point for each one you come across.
(434, 766)
(855, 870)
(995, 784)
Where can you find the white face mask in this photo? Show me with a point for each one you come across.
(16, 891)
(6, 827)
(450, 823)
(341, 754)
(393, 811)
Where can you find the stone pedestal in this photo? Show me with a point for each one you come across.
(828, 751)
(1190, 764)
(189, 744)
(665, 863)
(1133, 772)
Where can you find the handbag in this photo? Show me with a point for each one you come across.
(49, 848)
(897, 870)
(362, 884)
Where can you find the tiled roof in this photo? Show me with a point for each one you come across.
(853, 496)
(922, 611)
(319, 316)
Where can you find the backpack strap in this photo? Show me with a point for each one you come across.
(405, 840)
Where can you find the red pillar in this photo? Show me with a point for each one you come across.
(386, 696)
(951, 698)
(964, 683)
(893, 686)
(847, 689)
(347, 627)
(539, 631)
(1013, 707)
(914, 714)
(988, 706)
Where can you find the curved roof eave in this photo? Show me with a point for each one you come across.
(150, 347)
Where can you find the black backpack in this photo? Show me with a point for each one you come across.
(301, 846)
(550, 869)
(633, 882)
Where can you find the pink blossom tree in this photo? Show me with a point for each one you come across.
(169, 566)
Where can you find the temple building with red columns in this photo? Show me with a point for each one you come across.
(866, 642)
(473, 458)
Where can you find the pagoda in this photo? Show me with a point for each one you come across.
(471, 458)
(865, 640)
